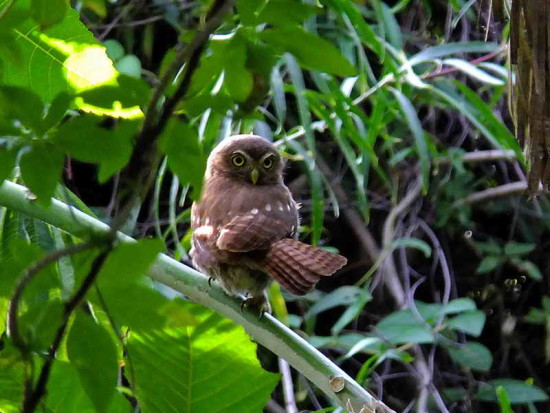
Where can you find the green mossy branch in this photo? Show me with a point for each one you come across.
(267, 331)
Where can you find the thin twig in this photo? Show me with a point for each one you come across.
(441, 72)
(515, 188)
(30, 273)
(32, 399)
(288, 387)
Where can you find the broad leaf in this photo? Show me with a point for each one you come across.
(345, 296)
(93, 353)
(129, 298)
(41, 167)
(519, 392)
(470, 322)
(404, 327)
(209, 365)
(473, 355)
(61, 58)
(185, 156)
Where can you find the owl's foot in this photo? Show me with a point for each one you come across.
(259, 303)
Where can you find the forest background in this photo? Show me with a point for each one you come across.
(395, 120)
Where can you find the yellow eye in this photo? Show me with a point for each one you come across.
(238, 160)
(268, 162)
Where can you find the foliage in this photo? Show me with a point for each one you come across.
(390, 110)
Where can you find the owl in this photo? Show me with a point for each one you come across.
(245, 225)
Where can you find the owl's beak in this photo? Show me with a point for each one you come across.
(254, 175)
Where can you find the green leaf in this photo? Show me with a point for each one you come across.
(93, 353)
(490, 247)
(114, 49)
(41, 167)
(518, 391)
(503, 401)
(518, 248)
(7, 162)
(459, 305)
(345, 295)
(84, 140)
(311, 51)
(129, 298)
(61, 58)
(21, 104)
(66, 394)
(208, 366)
(364, 30)
(185, 156)
(413, 243)
(48, 12)
(97, 6)
(366, 343)
(238, 79)
(351, 313)
(40, 321)
(482, 116)
(286, 12)
(11, 380)
(56, 111)
(418, 133)
(488, 264)
(392, 31)
(129, 65)
(528, 268)
(404, 327)
(536, 316)
(472, 355)
(248, 10)
(470, 322)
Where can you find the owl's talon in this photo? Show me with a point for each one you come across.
(259, 303)
(210, 281)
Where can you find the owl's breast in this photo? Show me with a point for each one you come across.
(234, 221)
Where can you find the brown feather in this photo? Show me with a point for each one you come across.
(250, 232)
(290, 261)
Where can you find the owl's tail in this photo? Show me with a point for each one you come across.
(298, 266)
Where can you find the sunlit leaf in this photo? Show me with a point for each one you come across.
(211, 366)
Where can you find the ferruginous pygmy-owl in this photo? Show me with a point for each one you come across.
(246, 222)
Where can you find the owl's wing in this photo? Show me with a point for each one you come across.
(250, 232)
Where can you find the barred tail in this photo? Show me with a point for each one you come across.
(298, 266)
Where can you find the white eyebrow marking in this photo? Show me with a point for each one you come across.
(254, 211)
(205, 230)
(288, 207)
(281, 207)
(268, 207)
(207, 221)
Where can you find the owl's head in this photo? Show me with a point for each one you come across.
(248, 158)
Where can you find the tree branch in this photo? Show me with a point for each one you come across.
(267, 331)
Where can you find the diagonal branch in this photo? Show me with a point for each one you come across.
(267, 331)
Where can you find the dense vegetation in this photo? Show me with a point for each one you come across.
(394, 118)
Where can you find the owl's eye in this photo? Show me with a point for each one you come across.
(268, 162)
(238, 160)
